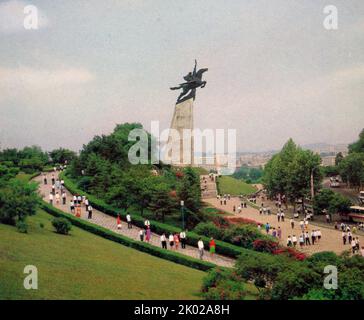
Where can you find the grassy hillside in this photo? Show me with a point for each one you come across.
(84, 266)
(230, 185)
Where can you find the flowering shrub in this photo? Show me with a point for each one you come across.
(179, 174)
(290, 252)
(263, 245)
(173, 193)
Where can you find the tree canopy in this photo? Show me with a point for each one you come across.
(289, 172)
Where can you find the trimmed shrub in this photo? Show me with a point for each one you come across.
(22, 226)
(62, 225)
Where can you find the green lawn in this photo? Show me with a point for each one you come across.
(230, 185)
(84, 266)
(23, 176)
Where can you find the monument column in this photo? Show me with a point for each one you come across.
(180, 144)
(182, 123)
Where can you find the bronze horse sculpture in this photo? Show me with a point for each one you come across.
(194, 81)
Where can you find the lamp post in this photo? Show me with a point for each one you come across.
(183, 214)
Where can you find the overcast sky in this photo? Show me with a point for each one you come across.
(274, 71)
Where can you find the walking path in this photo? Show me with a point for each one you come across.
(109, 222)
(331, 239)
(208, 187)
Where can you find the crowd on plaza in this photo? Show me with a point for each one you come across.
(305, 237)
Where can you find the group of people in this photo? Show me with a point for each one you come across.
(265, 210)
(77, 202)
(305, 238)
(58, 191)
(173, 239)
(223, 198)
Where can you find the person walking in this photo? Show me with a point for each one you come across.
(147, 224)
(318, 235)
(279, 233)
(148, 234)
(267, 227)
(89, 210)
(45, 180)
(294, 241)
(164, 241)
(292, 223)
(302, 240)
(201, 248)
(307, 239)
(72, 206)
(302, 225)
(64, 198)
(176, 240)
(313, 237)
(118, 222)
(289, 241)
(57, 198)
(128, 220)
(171, 240)
(141, 235)
(212, 246)
(353, 246)
(51, 198)
(350, 237)
(183, 238)
(343, 235)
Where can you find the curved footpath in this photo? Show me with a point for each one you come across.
(109, 222)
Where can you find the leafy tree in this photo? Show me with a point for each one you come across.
(358, 146)
(352, 169)
(339, 157)
(289, 172)
(331, 201)
(295, 282)
(262, 270)
(161, 202)
(330, 171)
(248, 174)
(62, 155)
(18, 200)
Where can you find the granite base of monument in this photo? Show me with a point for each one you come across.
(180, 141)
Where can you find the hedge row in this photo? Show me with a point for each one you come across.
(138, 245)
(222, 247)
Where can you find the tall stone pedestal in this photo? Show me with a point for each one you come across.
(180, 149)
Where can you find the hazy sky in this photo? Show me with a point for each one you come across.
(274, 71)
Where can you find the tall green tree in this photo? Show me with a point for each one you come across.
(18, 200)
(62, 155)
(289, 172)
(351, 169)
(357, 146)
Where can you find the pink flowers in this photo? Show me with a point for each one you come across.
(291, 252)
